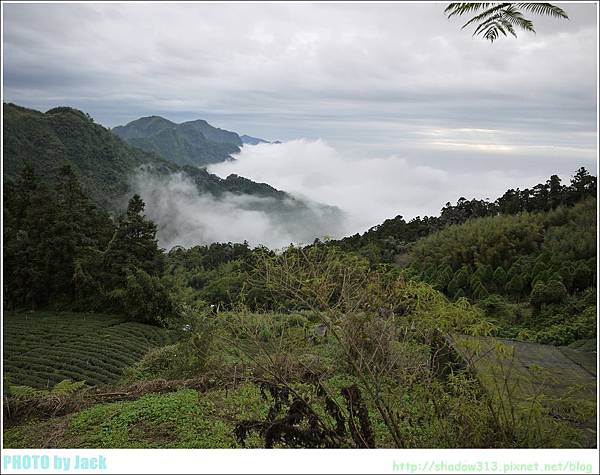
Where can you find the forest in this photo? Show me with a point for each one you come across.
(366, 341)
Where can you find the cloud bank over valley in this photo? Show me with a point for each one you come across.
(368, 190)
(186, 217)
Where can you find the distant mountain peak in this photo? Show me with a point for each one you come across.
(249, 140)
(194, 142)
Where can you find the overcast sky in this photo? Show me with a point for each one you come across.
(358, 82)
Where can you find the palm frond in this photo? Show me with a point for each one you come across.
(493, 19)
(463, 8)
(546, 9)
(509, 27)
(493, 27)
(485, 14)
(515, 18)
(492, 32)
(485, 24)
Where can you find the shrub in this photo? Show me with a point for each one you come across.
(554, 292)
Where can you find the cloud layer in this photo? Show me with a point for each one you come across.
(369, 190)
(398, 109)
(379, 75)
(185, 217)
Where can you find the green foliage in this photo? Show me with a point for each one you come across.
(554, 292)
(435, 412)
(550, 257)
(61, 251)
(144, 298)
(515, 286)
(495, 241)
(186, 359)
(65, 387)
(567, 331)
(45, 233)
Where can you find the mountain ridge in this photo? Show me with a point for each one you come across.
(249, 140)
(194, 142)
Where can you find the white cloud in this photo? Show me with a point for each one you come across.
(185, 217)
(368, 189)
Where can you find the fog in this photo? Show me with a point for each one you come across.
(369, 189)
(330, 195)
(185, 217)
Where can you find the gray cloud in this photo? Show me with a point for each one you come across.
(371, 80)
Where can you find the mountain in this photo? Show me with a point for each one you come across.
(64, 136)
(248, 140)
(195, 143)
(107, 167)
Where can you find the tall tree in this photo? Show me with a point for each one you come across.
(134, 244)
(582, 184)
(30, 216)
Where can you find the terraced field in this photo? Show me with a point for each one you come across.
(43, 348)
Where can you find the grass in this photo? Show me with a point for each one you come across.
(182, 419)
(44, 348)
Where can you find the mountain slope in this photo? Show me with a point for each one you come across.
(194, 143)
(109, 169)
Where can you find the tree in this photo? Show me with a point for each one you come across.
(30, 216)
(480, 292)
(78, 225)
(582, 184)
(503, 17)
(583, 277)
(555, 191)
(515, 285)
(145, 298)
(500, 277)
(134, 244)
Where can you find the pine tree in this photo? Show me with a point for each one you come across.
(30, 214)
(133, 245)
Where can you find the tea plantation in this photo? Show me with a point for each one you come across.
(44, 348)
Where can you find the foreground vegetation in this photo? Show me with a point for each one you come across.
(361, 362)
(266, 380)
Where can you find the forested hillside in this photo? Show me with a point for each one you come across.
(194, 143)
(535, 273)
(107, 167)
(64, 136)
(528, 258)
(390, 240)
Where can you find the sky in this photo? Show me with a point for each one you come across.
(384, 109)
